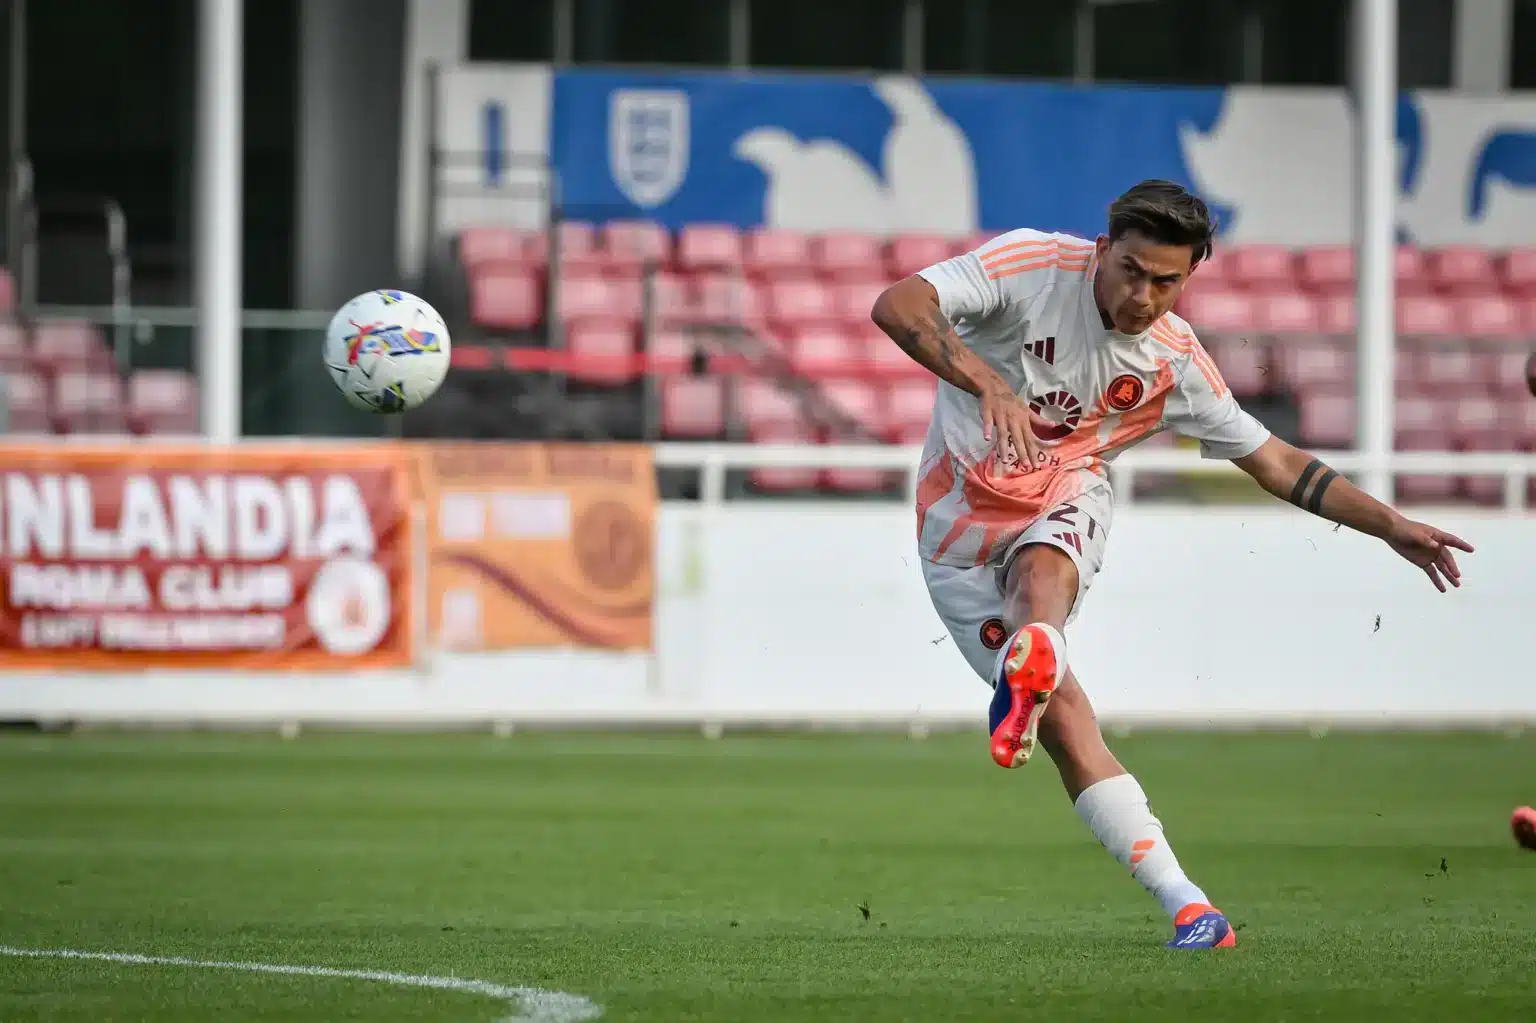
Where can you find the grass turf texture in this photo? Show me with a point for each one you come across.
(680, 879)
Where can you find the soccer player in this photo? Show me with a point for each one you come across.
(1054, 354)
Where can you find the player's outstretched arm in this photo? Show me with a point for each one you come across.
(1302, 479)
(908, 311)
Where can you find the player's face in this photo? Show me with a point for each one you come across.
(1139, 280)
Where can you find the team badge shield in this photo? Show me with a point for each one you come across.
(648, 143)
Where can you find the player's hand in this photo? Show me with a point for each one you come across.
(1430, 549)
(1005, 421)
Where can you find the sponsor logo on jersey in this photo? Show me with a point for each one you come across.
(1125, 392)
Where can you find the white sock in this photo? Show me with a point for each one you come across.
(1116, 811)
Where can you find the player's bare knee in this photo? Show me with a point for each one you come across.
(1042, 585)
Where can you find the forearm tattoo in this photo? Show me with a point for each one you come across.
(1312, 499)
(937, 328)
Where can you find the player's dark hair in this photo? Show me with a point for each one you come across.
(1167, 214)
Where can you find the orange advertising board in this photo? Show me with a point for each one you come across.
(536, 545)
(119, 557)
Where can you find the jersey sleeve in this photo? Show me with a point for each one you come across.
(1012, 267)
(1203, 407)
(965, 289)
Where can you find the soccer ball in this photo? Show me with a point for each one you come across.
(387, 351)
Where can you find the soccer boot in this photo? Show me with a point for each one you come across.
(1028, 678)
(1202, 926)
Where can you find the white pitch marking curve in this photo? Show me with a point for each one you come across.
(531, 1004)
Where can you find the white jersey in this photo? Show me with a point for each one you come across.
(1024, 303)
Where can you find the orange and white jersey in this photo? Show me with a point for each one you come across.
(1024, 303)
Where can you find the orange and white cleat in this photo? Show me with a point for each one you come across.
(1202, 926)
(1032, 665)
(1523, 824)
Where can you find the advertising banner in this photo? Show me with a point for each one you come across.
(539, 545)
(253, 558)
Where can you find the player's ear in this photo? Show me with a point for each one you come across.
(1101, 246)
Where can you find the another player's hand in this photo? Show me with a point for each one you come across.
(1005, 421)
(1430, 549)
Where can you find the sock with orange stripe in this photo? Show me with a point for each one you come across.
(1117, 813)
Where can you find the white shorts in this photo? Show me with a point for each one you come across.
(970, 600)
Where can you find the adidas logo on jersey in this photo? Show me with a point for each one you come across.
(1044, 350)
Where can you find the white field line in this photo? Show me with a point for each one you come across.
(529, 1004)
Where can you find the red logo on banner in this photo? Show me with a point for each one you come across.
(124, 558)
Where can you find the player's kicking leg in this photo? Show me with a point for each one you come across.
(1037, 699)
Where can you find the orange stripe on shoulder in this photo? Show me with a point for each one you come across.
(1186, 344)
(1020, 257)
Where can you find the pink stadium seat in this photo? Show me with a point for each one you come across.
(672, 298)
(1305, 367)
(692, 407)
(1517, 272)
(1478, 425)
(7, 292)
(846, 256)
(1489, 317)
(1451, 371)
(1425, 316)
(63, 347)
(908, 409)
(1424, 424)
(505, 297)
(1261, 267)
(1336, 315)
(910, 253)
(86, 402)
(791, 478)
(762, 404)
(1412, 271)
(481, 246)
(852, 301)
(601, 352)
(770, 253)
(1462, 270)
(1520, 426)
(629, 246)
(1213, 270)
(724, 298)
(860, 403)
(669, 352)
(1218, 312)
(1244, 364)
(880, 357)
(26, 403)
(1286, 313)
(1506, 375)
(709, 247)
(15, 357)
(162, 401)
(599, 298)
(1327, 269)
(818, 352)
(580, 252)
(793, 304)
(1327, 419)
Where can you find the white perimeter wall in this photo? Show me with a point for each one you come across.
(819, 613)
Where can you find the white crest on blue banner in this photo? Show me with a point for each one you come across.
(648, 143)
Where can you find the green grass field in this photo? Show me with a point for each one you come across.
(672, 879)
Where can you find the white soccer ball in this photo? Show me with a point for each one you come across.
(387, 351)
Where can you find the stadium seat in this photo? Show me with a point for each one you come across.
(1477, 425)
(1411, 271)
(26, 403)
(672, 298)
(162, 401)
(801, 303)
(1244, 364)
(1216, 313)
(1517, 272)
(770, 253)
(860, 402)
(789, 478)
(630, 246)
(598, 298)
(506, 297)
(1327, 419)
(1462, 270)
(1489, 318)
(669, 352)
(1310, 366)
(846, 256)
(481, 246)
(1327, 269)
(1520, 427)
(852, 301)
(760, 404)
(1261, 268)
(85, 402)
(601, 352)
(879, 357)
(692, 407)
(725, 298)
(709, 247)
(1336, 315)
(1425, 316)
(67, 346)
(7, 292)
(909, 253)
(1506, 375)
(1424, 424)
(1448, 370)
(823, 352)
(1286, 314)
(908, 409)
